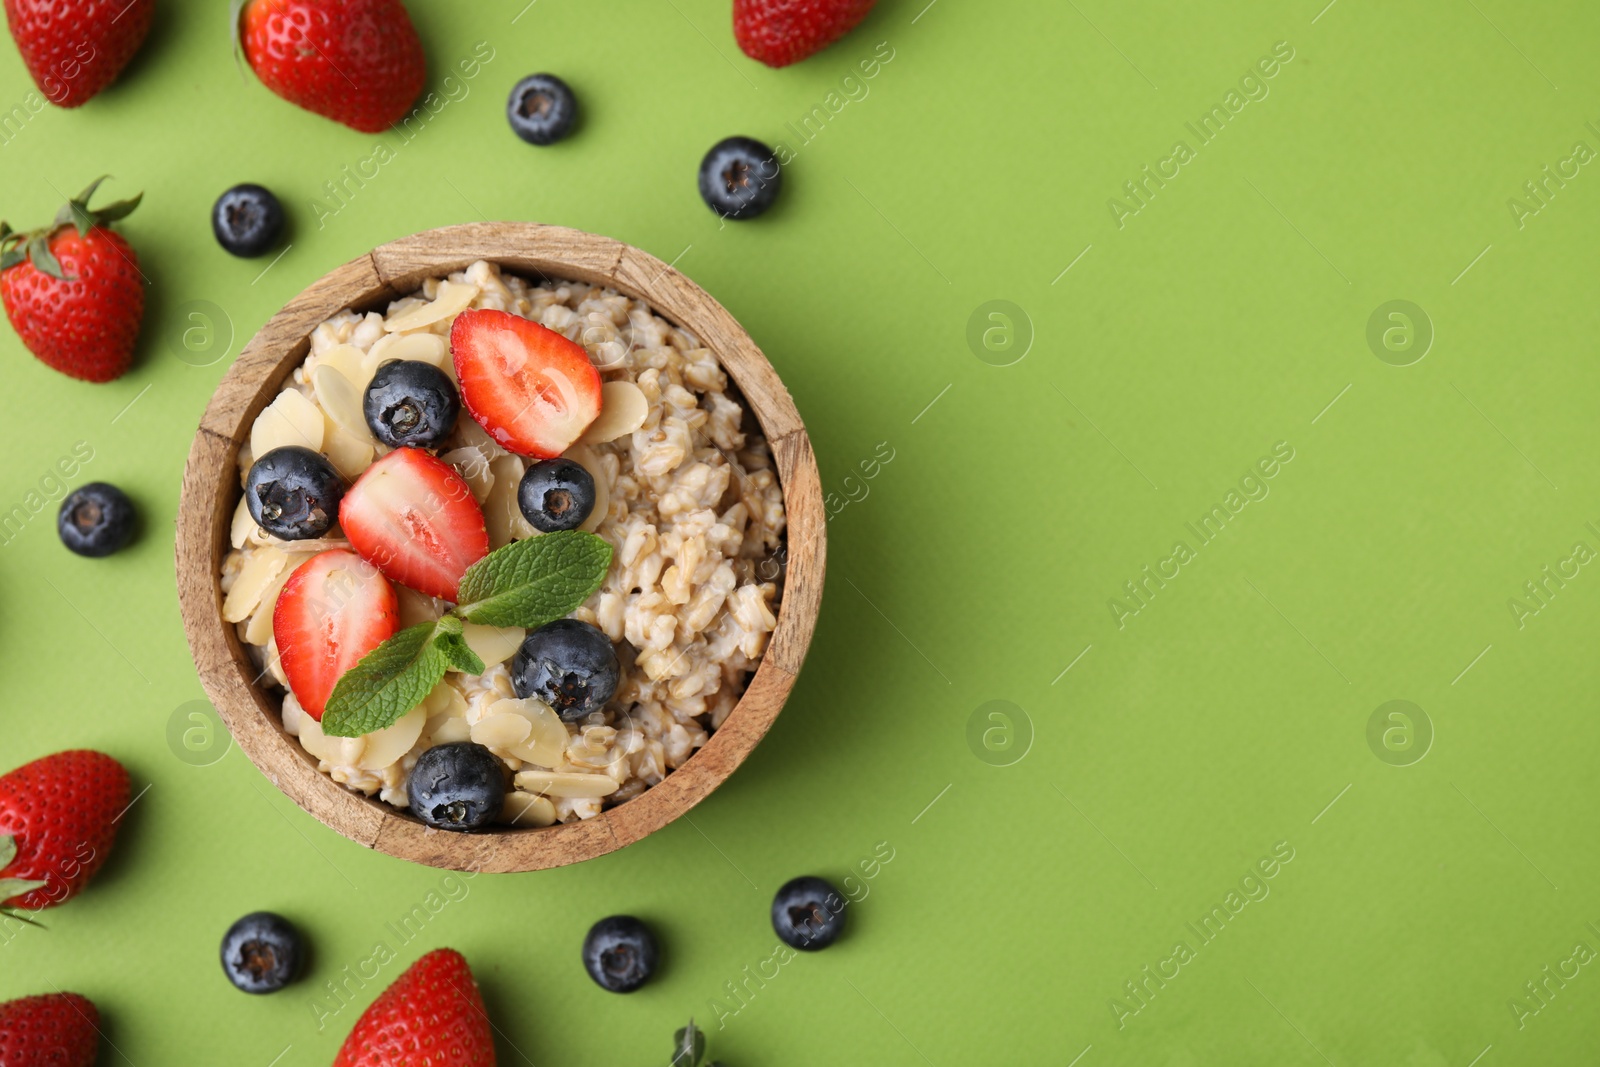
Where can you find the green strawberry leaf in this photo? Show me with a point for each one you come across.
(391, 679)
(8, 850)
(16, 887)
(688, 1046)
(235, 10)
(44, 260)
(88, 192)
(22, 916)
(121, 209)
(532, 582)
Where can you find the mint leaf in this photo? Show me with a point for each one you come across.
(532, 582)
(688, 1046)
(457, 653)
(391, 679)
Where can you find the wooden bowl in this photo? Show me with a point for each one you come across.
(211, 492)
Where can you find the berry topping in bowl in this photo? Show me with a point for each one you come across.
(333, 610)
(410, 404)
(414, 518)
(567, 664)
(533, 390)
(556, 494)
(458, 786)
(293, 493)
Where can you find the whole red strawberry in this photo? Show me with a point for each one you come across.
(432, 1016)
(58, 819)
(53, 1030)
(73, 290)
(75, 48)
(780, 32)
(358, 62)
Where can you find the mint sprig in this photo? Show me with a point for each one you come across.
(688, 1046)
(532, 582)
(392, 679)
(526, 583)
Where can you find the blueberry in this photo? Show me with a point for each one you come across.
(556, 494)
(261, 952)
(569, 665)
(542, 109)
(740, 178)
(458, 786)
(293, 493)
(96, 520)
(808, 913)
(619, 953)
(247, 220)
(410, 403)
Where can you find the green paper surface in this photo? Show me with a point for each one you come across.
(1025, 385)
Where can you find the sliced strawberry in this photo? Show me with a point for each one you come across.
(334, 609)
(411, 516)
(532, 389)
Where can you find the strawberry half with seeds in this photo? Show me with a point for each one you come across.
(73, 290)
(72, 51)
(358, 62)
(781, 32)
(414, 518)
(334, 609)
(534, 391)
(53, 1030)
(432, 1015)
(58, 820)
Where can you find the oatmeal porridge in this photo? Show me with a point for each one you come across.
(684, 493)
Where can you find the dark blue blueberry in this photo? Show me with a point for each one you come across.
(458, 786)
(542, 109)
(740, 178)
(556, 494)
(247, 219)
(411, 404)
(808, 913)
(293, 493)
(261, 952)
(96, 520)
(619, 953)
(569, 665)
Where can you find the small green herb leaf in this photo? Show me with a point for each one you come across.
(688, 1046)
(532, 582)
(390, 680)
(8, 850)
(457, 653)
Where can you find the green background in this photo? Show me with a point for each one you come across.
(1228, 715)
